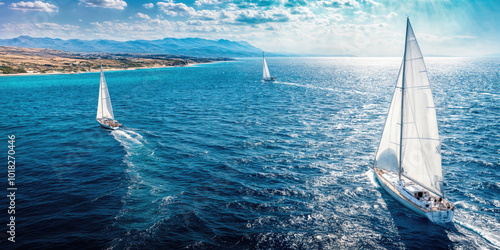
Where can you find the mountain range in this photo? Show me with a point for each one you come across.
(194, 47)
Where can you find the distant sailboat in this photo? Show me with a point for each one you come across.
(105, 115)
(266, 75)
(408, 159)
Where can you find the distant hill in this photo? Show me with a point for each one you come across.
(16, 60)
(194, 47)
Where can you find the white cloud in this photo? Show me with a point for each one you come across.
(339, 3)
(300, 10)
(431, 38)
(337, 17)
(53, 26)
(439, 38)
(358, 27)
(1, 3)
(254, 16)
(206, 2)
(373, 3)
(302, 13)
(143, 16)
(173, 9)
(111, 4)
(391, 15)
(179, 9)
(42, 30)
(465, 37)
(145, 28)
(206, 14)
(34, 6)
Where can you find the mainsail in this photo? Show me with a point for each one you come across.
(413, 115)
(104, 108)
(265, 74)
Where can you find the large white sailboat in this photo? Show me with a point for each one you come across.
(408, 159)
(105, 115)
(266, 75)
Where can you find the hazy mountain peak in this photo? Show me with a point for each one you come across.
(195, 47)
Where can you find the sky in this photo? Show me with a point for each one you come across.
(324, 27)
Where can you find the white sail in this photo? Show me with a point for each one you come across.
(420, 145)
(104, 108)
(387, 157)
(265, 74)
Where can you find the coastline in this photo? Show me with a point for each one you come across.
(20, 61)
(104, 69)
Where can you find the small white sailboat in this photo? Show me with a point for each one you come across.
(105, 115)
(408, 159)
(266, 75)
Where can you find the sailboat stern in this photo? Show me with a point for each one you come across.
(441, 217)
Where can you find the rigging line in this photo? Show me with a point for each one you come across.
(418, 58)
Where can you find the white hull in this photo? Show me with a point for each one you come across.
(105, 123)
(438, 214)
(269, 79)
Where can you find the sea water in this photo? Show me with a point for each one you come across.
(210, 156)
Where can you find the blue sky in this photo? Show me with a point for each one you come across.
(329, 27)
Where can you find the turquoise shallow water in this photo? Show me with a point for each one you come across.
(212, 157)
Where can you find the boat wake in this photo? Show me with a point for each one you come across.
(468, 221)
(128, 138)
(487, 236)
(309, 86)
(135, 145)
(147, 195)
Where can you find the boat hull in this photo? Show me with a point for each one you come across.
(269, 79)
(439, 217)
(105, 124)
(108, 127)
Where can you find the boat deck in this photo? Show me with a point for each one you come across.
(416, 195)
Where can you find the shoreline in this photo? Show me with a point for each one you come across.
(98, 70)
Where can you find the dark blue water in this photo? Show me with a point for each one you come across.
(211, 157)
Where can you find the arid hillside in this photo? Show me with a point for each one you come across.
(15, 60)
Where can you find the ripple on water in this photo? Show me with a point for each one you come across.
(211, 157)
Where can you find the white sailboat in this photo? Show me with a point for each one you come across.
(408, 159)
(266, 75)
(105, 115)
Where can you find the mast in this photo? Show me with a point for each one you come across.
(100, 87)
(402, 102)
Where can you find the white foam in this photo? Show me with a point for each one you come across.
(370, 174)
(488, 236)
(126, 138)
